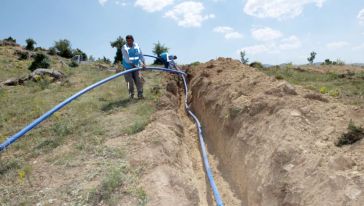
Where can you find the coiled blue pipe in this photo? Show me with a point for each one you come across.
(45, 116)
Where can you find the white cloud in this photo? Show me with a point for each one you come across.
(153, 5)
(278, 8)
(102, 2)
(337, 45)
(229, 33)
(256, 49)
(361, 16)
(121, 3)
(265, 34)
(189, 14)
(292, 42)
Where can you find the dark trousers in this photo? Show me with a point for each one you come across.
(134, 78)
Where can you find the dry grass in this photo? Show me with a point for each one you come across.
(73, 137)
(348, 88)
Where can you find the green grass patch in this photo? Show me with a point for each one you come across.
(349, 88)
(354, 134)
(113, 180)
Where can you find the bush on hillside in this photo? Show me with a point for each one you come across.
(257, 65)
(22, 55)
(40, 61)
(10, 39)
(81, 53)
(73, 64)
(30, 44)
(52, 51)
(354, 134)
(64, 48)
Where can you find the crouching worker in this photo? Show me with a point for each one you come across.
(168, 60)
(133, 58)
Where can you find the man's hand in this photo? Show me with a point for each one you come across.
(143, 65)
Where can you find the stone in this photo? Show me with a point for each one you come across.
(341, 163)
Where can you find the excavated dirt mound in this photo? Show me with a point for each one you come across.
(275, 145)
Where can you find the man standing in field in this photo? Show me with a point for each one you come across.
(133, 58)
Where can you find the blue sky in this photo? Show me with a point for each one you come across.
(270, 31)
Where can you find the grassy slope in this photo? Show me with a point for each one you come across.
(82, 126)
(348, 89)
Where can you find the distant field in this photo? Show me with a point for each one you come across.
(344, 83)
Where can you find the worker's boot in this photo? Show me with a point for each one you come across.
(131, 96)
(140, 95)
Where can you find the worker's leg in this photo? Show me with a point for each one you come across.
(130, 83)
(139, 83)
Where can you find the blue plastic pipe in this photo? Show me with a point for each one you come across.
(45, 116)
(208, 170)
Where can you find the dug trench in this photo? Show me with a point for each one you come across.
(169, 155)
(274, 144)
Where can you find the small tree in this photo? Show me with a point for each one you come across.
(158, 50)
(30, 44)
(40, 61)
(243, 58)
(118, 44)
(312, 57)
(63, 48)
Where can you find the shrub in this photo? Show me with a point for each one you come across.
(10, 39)
(22, 55)
(73, 64)
(63, 48)
(113, 180)
(30, 44)
(257, 65)
(334, 93)
(195, 63)
(39, 49)
(327, 62)
(323, 90)
(279, 77)
(40, 61)
(353, 135)
(52, 51)
(81, 53)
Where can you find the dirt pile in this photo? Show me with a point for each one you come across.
(274, 144)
